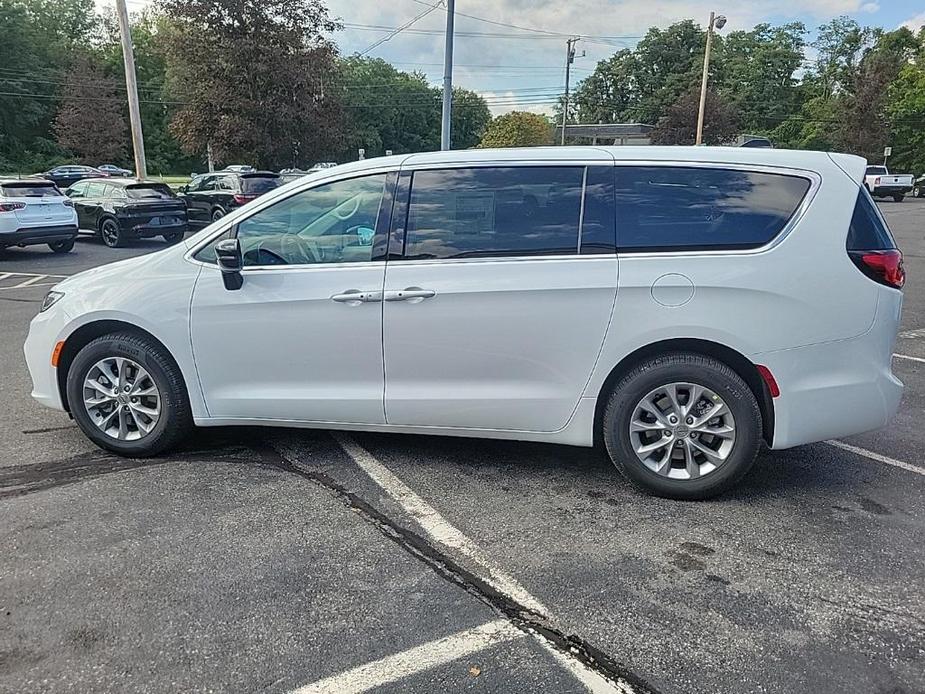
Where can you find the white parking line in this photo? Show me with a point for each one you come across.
(906, 356)
(4, 275)
(26, 283)
(877, 457)
(444, 533)
(424, 657)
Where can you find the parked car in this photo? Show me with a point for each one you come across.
(323, 165)
(289, 175)
(918, 188)
(33, 212)
(239, 168)
(119, 209)
(113, 170)
(477, 293)
(882, 184)
(66, 176)
(210, 197)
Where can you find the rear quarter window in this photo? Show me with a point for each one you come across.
(666, 208)
(868, 230)
(157, 191)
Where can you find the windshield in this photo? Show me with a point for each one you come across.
(153, 191)
(29, 190)
(255, 185)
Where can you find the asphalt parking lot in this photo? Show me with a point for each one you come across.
(279, 560)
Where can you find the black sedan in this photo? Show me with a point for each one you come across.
(118, 209)
(211, 196)
(66, 176)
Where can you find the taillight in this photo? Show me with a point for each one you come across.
(241, 199)
(877, 181)
(885, 267)
(11, 206)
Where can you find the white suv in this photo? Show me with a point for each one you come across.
(678, 304)
(33, 211)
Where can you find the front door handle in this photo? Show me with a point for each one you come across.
(415, 295)
(355, 297)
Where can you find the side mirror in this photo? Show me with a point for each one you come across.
(183, 189)
(230, 262)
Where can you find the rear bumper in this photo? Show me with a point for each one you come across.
(30, 236)
(886, 191)
(142, 228)
(838, 388)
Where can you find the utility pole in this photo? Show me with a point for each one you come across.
(569, 59)
(134, 112)
(718, 23)
(447, 77)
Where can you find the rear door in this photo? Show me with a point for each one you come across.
(498, 295)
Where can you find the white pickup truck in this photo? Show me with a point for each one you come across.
(882, 184)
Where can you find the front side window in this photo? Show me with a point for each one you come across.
(503, 211)
(668, 208)
(332, 223)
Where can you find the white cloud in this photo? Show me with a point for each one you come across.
(870, 7)
(916, 22)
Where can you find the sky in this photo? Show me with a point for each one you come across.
(524, 68)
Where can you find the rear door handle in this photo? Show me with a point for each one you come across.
(413, 294)
(355, 297)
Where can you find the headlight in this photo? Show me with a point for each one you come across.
(51, 298)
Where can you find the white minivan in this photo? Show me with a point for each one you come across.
(679, 305)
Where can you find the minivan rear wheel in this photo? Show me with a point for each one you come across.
(682, 426)
(127, 395)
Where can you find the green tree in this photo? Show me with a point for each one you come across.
(470, 118)
(518, 129)
(759, 73)
(610, 93)
(255, 79)
(906, 108)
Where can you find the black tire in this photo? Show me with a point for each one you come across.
(62, 246)
(898, 197)
(175, 419)
(918, 192)
(175, 237)
(217, 214)
(111, 233)
(682, 368)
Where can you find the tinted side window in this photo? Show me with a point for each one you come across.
(676, 208)
(868, 232)
(460, 213)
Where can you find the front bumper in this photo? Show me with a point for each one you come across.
(45, 330)
(31, 236)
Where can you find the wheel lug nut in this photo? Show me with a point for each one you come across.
(666, 433)
(126, 389)
(690, 420)
(125, 408)
(693, 434)
(678, 443)
(673, 419)
(135, 400)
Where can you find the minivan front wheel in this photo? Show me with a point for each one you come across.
(127, 395)
(682, 426)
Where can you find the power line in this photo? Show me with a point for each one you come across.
(398, 30)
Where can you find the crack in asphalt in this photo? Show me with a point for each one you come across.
(450, 570)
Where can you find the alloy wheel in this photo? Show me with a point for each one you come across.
(110, 233)
(121, 398)
(682, 431)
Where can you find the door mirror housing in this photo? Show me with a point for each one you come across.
(230, 262)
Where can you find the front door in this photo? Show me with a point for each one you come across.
(301, 340)
(496, 311)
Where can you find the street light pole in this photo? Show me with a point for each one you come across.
(718, 23)
(447, 77)
(569, 59)
(131, 85)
